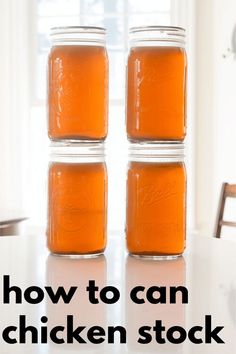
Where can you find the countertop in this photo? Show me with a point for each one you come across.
(207, 270)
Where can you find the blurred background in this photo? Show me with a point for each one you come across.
(211, 141)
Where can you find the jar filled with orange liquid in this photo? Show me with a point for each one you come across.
(156, 84)
(78, 84)
(77, 204)
(156, 201)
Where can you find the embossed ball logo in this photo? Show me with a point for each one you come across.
(73, 207)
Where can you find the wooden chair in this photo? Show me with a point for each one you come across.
(227, 191)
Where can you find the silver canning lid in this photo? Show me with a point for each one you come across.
(77, 29)
(77, 152)
(153, 28)
(164, 35)
(75, 34)
(157, 152)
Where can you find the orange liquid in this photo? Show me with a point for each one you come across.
(77, 208)
(78, 92)
(155, 218)
(156, 93)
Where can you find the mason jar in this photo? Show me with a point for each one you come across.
(78, 84)
(77, 203)
(156, 201)
(156, 84)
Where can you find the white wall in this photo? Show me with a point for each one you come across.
(14, 102)
(216, 107)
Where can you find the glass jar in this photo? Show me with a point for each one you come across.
(78, 84)
(156, 84)
(156, 201)
(77, 204)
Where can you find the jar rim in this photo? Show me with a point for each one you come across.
(156, 27)
(77, 29)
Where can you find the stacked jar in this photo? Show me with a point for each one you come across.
(77, 201)
(77, 84)
(156, 128)
(77, 127)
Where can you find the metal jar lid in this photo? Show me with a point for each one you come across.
(161, 152)
(83, 35)
(85, 152)
(157, 35)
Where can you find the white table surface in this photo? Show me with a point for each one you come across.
(208, 270)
